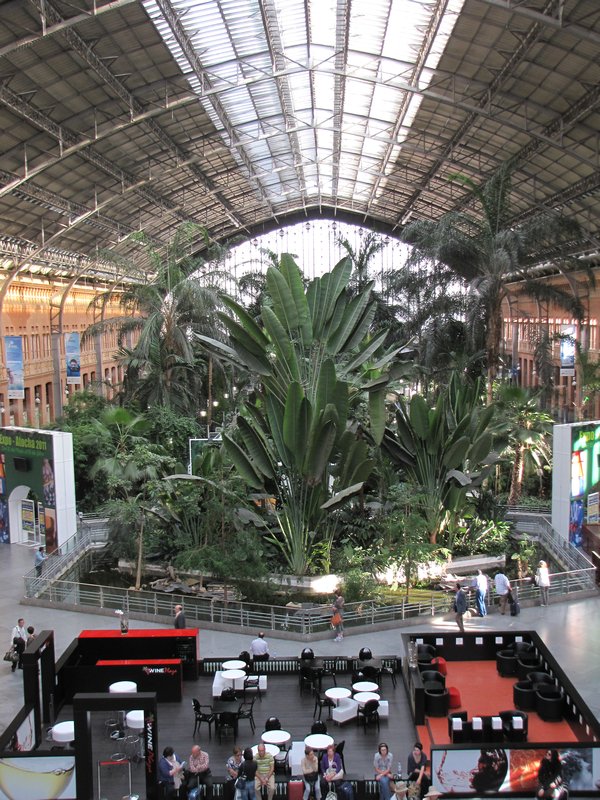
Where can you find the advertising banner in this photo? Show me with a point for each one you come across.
(28, 518)
(567, 351)
(593, 509)
(13, 347)
(73, 357)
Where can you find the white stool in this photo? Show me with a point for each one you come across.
(123, 687)
(63, 732)
(135, 720)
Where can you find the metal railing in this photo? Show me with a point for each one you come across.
(307, 621)
(539, 526)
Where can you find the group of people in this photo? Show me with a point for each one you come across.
(390, 781)
(19, 639)
(185, 779)
(503, 590)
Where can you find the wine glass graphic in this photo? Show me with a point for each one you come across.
(43, 778)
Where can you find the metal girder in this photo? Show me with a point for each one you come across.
(341, 63)
(71, 22)
(86, 53)
(187, 47)
(550, 17)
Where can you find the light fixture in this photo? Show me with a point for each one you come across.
(203, 413)
(215, 403)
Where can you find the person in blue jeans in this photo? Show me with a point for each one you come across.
(247, 772)
(382, 764)
(481, 587)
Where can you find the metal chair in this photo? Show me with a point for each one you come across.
(307, 654)
(318, 727)
(307, 677)
(369, 714)
(321, 702)
(203, 714)
(226, 721)
(246, 711)
(273, 724)
(365, 654)
(252, 682)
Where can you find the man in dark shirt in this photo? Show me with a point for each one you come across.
(179, 620)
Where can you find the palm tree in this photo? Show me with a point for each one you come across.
(165, 365)
(495, 258)
(527, 429)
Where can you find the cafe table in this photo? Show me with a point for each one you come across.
(234, 663)
(318, 741)
(365, 686)
(278, 737)
(337, 693)
(63, 732)
(364, 697)
(233, 675)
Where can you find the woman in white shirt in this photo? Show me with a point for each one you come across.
(542, 578)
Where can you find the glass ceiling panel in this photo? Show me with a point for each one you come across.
(327, 80)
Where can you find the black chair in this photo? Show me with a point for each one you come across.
(369, 714)
(506, 663)
(540, 679)
(202, 714)
(437, 702)
(388, 671)
(321, 702)
(308, 678)
(252, 683)
(307, 654)
(339, 749)
(549, 703)
(514, 733)
(425, 652)
(282, 760)
(318, 727)
(370, 673)
(524, 696)
(327, 671)
(226, 721)
(246, 711)
(364, 654)
(272, 724)
(433, 676)
(247, 659)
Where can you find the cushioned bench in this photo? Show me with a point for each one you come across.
(344, 711)
(219, 683)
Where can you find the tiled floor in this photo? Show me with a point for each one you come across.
(570, 629)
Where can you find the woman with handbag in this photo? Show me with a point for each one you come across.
(337, 619)
(232, 769)
(310, 774)
(170, 773)
(244, 783)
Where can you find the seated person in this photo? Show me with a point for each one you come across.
(310, 774)
(170, 773)
(232, 769)
(332, 772)
(382, 764)
(198, 772)
(417, 766)
(265, 773)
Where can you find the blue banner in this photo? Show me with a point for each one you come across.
(73, 357)
(13, 346)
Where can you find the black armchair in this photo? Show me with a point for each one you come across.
(549, 703)
(273, 724)
(307, 654)
(515, 725)
(364, 654)
(433, 676)
(524, 696)
(369, 714)
(437, 703)
(202, 713)
(318, 727)
(506, 663)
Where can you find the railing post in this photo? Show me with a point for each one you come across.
(101, 597)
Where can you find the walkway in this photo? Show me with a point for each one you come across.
(571, 630)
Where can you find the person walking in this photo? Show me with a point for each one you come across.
(542, 579)
(179, 619)
(40, 557)
(18, 638)
(502, 587)
(337, 619)
(460, 606)
(481, 587)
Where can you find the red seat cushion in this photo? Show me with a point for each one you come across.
(439, 663)
(454, 697)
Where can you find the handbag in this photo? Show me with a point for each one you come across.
(331, 795)
(240, 782)
(11, 655)
(335, 621)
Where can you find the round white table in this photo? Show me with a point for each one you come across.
(235, 663)
(337, 693)
(63, 732)
(121, 687)
(272, 749)
(365, 686)
(318, 741)
(135, 720)
(233, 674)
(364, 697)
(276, 737)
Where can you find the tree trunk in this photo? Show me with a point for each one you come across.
(140, 554)
(516, 480)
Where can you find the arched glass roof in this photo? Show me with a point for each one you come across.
(121, 115)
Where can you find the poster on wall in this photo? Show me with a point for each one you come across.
(13, 347)
(484, 770)
(73, 357)
(567, 352)
(584, 480)
(593, 508)
(28, 519)
(30, 778)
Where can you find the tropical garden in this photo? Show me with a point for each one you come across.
(365, 426)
